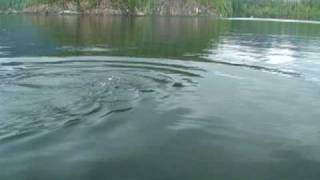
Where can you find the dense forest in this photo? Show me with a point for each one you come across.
(292, 9)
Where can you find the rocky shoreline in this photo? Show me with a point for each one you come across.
(162, 8)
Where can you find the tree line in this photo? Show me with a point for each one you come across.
(292, 9)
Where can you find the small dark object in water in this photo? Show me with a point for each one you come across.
(177, 84)
(12, 64)
(147, 90)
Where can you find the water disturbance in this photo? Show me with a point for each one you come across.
(158, 98)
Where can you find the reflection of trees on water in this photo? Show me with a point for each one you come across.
(174, 37)
(142, 36)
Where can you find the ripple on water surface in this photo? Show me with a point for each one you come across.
(43, 94)
(4, 51)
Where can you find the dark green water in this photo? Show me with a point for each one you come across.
(158, 98)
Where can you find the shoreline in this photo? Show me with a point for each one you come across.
(99, 13)
(266, 19)
(107, 7)
(114, 12)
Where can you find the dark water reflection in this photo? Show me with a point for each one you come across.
(158, 98)
(152, 37)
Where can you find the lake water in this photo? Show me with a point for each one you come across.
(166, 98)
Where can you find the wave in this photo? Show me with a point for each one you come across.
(48, 93)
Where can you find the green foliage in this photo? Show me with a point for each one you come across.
(293, 9)
(222, 7)
(134, 5)
(14, 4)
